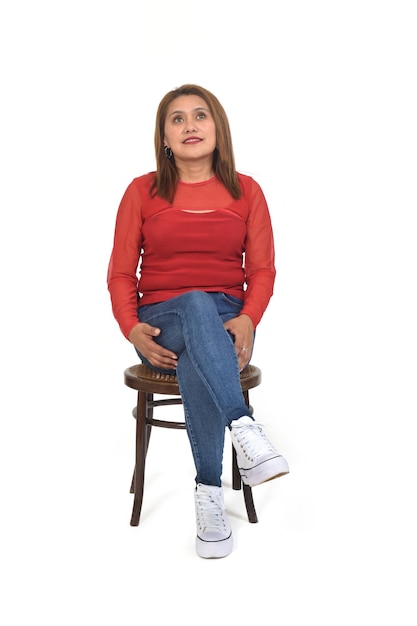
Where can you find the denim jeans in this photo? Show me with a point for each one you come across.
(208, 374)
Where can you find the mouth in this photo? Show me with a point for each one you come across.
(191, 140)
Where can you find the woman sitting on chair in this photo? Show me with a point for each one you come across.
(190, 276)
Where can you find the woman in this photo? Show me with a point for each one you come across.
(199, 236)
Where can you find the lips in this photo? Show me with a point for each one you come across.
(192, 140)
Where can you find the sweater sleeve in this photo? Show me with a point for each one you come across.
(122, 278)
(259, 255)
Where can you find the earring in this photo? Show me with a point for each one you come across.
(168, 152)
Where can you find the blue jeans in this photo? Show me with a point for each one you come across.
(208, 374)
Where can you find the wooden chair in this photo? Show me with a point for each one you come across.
(149, 383)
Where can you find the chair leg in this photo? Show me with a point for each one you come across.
(236, 479)
(149, 416)
(148, 430)
(237, 482)
(142, 439)
(250, 506)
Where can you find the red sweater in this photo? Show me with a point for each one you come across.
(204, 240)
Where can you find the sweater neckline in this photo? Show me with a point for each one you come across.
(198, 183)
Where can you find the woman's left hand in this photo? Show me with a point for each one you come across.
(241, 328)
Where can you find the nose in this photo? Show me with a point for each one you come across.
(190, 126)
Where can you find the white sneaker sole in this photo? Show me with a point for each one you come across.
(267, 470)
(214, 549)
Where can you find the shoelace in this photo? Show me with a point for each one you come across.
(210, 511)
(253, 440)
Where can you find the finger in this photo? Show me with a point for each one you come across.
(166, 356)
(163, 362)
(243, 357)
(168, 361)
(242, 364)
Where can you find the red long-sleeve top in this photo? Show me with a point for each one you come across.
(204, 240)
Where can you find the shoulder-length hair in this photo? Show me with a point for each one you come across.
(166, 179)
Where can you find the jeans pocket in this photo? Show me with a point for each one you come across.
(237, 302)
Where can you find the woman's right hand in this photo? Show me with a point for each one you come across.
(142, 336)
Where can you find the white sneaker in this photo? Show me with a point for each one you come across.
(257, 458)
(214, 535)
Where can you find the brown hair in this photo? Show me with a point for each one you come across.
(166, 180)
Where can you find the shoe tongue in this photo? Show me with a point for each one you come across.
(245, 419)
(211, 488)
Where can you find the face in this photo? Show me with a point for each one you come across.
(190, 130)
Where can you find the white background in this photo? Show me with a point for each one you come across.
(321, 98)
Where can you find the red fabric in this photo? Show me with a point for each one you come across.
(205, 240)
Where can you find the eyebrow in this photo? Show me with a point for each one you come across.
(192, 111)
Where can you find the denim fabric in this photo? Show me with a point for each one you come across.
(208, 375)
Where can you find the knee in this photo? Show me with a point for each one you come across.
(199, 303)
(197, 299)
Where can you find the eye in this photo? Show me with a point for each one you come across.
(177, 119)
(201, 116)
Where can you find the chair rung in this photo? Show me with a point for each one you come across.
(165, 423)
(165, 402)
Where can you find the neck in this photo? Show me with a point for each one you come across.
(195, 172)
